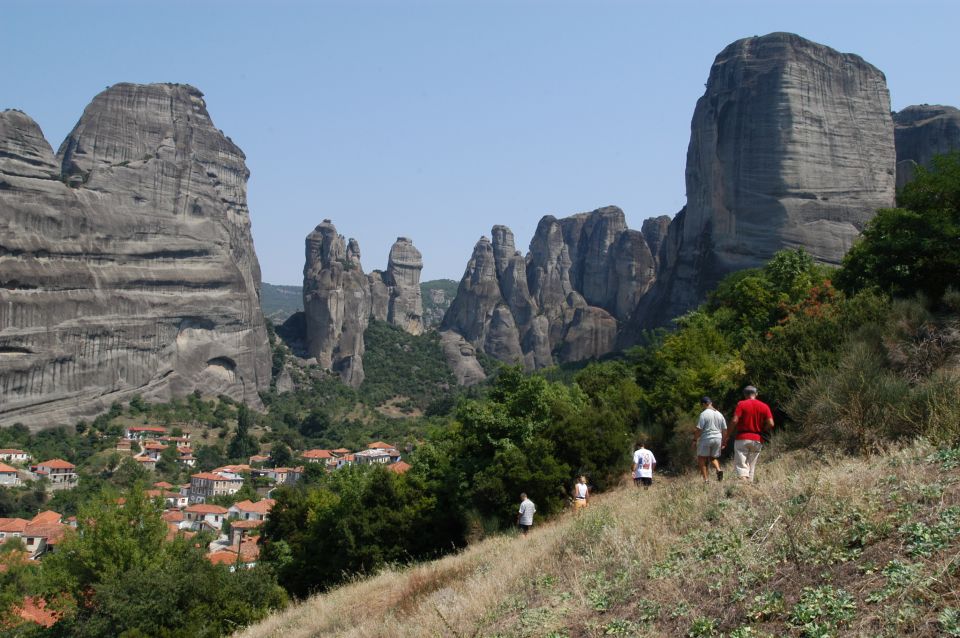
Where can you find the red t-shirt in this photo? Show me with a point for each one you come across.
(751, 414)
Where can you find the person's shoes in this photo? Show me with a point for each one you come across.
(719, 475)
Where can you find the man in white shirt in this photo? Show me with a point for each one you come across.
(710, 438)
(643, 463)
(525, 515)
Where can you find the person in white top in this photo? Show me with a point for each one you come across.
(525, 515)
(710, 438)
(581, 494)
(643, 464)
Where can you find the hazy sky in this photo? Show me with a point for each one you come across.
(436, 120)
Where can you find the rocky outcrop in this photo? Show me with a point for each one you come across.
(336, 302)
(921, 132)
(582, 277)
(126, 260)
(339, 299)
(791, 145)
(396, 292)
(461, 356)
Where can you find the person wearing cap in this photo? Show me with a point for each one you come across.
(751, 420)
(710, 438)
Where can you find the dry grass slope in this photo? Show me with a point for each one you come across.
(837, 547)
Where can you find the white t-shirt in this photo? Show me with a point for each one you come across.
(711, 424)
(527, 508)
(581, 490)
(644, 460)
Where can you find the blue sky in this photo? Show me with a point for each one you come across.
(436, 120)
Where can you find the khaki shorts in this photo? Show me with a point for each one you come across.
(709, 448)
(579, 502)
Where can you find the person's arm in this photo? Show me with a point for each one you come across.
(725, 431)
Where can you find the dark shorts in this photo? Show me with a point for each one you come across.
(643, 480)
(524, 528)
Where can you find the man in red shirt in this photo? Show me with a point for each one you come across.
(750, 420)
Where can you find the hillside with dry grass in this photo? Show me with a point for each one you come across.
(817, 547)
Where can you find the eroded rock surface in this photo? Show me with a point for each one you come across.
(791, 145)
(921, 132)
(126, 260)
(339, 299)
(564, 301)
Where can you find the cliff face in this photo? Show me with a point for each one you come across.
(126, 260)
(339, 299)
(791, 145)
(921, 132)
(583, 275)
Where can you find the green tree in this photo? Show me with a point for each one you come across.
(243, 444)
(914, 248)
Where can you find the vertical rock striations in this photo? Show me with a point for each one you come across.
(126, 261)
(336, 302)
(921, 132)
(339, 300)
(582, 277)
(791, 145)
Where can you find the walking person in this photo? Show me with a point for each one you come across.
(644, 463)
(751, 420)
(581, 494)
(710, 438)
(525, 515)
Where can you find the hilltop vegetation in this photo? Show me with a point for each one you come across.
(821, 546)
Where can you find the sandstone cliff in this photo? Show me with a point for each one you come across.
(920, 133)
(564, 301)
(126, 260)
(791, 145)
(339, 299)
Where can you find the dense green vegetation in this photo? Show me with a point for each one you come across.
(847, 370)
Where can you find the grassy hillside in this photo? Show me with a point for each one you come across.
(835, 547)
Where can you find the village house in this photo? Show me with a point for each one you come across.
(241, 556)
(123, 445)
(250, 511)
(12, 528)
(11, 455)
(369, 457)
(57, 471)
(9, 476)
(400, 467)
(317, 456)
(146, 462)
(259, 459)
(209, 484)
(141, 432)
(153, 449)
(40, 534)
(185, 456)
(232, 471)
(203, 515)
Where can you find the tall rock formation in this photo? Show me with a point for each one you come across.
(582, 277)
(126, 260)
(791, 145)
(336, 302)
(396, 294)
(339, 299)
(921, 132)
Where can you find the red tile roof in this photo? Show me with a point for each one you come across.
(400, 467)
(341, 450)
(13, 525)
(146, 428)
(163, 485)
(52, 533)
(10, 450)
(206, 508)
(250, 524)
(57, 464)
(317, 454)
(6, 469)
(172, 516)
(210, 476)
(380, 445)
(47, 518)
(262, 506)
